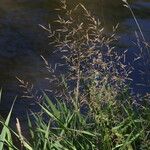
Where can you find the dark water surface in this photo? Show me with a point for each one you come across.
(22, 41)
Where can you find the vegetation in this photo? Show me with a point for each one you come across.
(93, 107)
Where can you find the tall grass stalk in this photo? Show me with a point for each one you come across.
(144, 53)
(136, 21)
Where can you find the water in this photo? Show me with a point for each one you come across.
(22, 41)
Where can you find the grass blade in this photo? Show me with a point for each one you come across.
(5, 129)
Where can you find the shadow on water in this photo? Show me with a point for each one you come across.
(22, 41)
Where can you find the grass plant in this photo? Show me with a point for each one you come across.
(93, 107)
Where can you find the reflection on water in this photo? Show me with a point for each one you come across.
(22, 41)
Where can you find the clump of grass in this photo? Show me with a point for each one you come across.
(93, 109)
(88, 52)
(6, 136)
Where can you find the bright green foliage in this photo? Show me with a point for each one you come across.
(116, 126)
